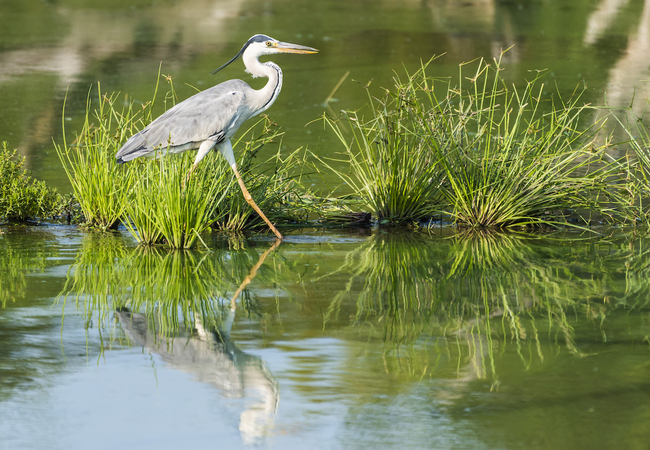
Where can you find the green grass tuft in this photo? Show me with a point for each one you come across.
(479, 152)
(392, 172)
(510, 157)
(21, 196)
(99, 184)
(155, 199)
(167, 206)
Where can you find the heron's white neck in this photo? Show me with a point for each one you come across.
(264, 98)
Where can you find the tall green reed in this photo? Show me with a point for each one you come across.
(156, 200)
(390, 170)
(634, 190)
(168, 206)
(100, 185)
(478, 151)
(510, 157)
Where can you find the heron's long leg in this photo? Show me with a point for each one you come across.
(204, 149)
(251, 202)
(225, 148)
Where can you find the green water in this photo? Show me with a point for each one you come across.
(339, 340)
(370, 338)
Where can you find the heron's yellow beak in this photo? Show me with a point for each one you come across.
(285, 47)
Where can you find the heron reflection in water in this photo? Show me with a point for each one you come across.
(211, 357)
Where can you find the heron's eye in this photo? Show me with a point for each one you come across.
(269, 43)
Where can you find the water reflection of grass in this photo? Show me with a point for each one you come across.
(431, 303)
(174, 287)
(175, 304)
(18, 261)
(469, 296)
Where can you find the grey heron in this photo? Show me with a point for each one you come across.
(209, 119)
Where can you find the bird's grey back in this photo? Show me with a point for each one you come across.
(209, 114)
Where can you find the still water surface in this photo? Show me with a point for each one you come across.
(370, 339)
(337, 340)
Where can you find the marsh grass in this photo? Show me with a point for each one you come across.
(99, 184)
(477, 151)
(167, 206)
(510, 157)
(21, 196)
(156, 200)
(390, 170)
(634, 191)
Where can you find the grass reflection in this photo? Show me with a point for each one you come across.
(176, 305)
(466, 297)
(468, 303)
(173, 289)
(18, 260)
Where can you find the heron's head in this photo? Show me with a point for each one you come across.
(260, 45)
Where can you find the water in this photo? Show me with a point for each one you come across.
(338, 339)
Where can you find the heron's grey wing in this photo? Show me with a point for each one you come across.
(206, 115)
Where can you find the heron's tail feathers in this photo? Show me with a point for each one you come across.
(135, 147)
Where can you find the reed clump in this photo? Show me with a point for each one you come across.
(391, 171)
(155, 198)
(478, 152)
(99, 185)
(635, 165)
(167, 206)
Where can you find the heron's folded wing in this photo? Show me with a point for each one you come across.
(203, 116)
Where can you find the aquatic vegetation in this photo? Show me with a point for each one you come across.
(479, 152)
(99, 185)
(156, 199)
(392, 173)
(168, 206)
(21, 196)
(165, 205)
(510, 157)
(635, 192)
(475, 152)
